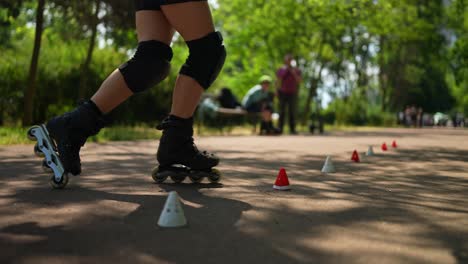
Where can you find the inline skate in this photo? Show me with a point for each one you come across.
(59, 141)
(179, 157)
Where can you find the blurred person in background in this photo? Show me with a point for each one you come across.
(260, 100)
(289, 78)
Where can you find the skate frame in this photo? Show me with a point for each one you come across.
(47, 146)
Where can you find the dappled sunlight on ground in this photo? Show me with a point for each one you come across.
(407, 205)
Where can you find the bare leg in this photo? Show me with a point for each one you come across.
(266, 115)
(193, 21)
(113, 91)
(150, 25)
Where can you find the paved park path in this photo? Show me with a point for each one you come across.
(408, 205)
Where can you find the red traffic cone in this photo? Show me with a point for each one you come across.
(282, 182)
(355, 157)
(384, 147)
(394, 144)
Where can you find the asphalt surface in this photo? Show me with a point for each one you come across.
(406, 205)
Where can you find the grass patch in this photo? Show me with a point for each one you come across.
(347, 128)
(123, 133)
(241, 130)
(13, 135)
(17, 135)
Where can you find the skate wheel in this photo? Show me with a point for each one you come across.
(195, 179)
(30, 134)
(177, 179)
(59, 185)
(38, 152)
(45, 167)
(158, 177)
(214, 176)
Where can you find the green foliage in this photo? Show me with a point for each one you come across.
(371, 57)
(59, 74)
(13, 135)
(355, 110)
(124, 133)
(404, 40)
(457, 78)
(17, 135)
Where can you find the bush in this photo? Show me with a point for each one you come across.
(357, 112)
(376, 117)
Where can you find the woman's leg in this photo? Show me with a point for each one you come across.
(193, 21)
(282, 111)
(112, 92)
(149, 65)
(150, 25)
(292, 105)
(206, 56)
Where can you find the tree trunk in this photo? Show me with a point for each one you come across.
(382, 74)
(1, 115)
(312, 92)
(314, 81)
(89, 56)
(31, 85)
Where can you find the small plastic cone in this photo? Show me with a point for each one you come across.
(394, 144)
(384, 147)
(172, 214)
(355, 157)
(328, 166)
(282, 182)
(370, 151)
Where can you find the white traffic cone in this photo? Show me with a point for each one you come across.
(172, 214)
(370, 151)
(328, 166)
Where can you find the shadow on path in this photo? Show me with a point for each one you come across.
(368, 212)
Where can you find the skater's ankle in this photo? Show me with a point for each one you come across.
(175, 122)
(179, 118)
(180, 121)
(93, 106)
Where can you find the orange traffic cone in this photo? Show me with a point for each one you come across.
(384, 147)
(282, 182)
(394, 144)
(355, 156)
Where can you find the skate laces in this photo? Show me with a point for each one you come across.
(197, 152)
(203, 153)
(182, 129)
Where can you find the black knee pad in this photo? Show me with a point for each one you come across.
(206, 59)
(148, 67)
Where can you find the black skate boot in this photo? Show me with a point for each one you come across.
(71, 130)
(65, 135)
(178, 156)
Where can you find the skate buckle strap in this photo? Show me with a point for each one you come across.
(173, 121)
